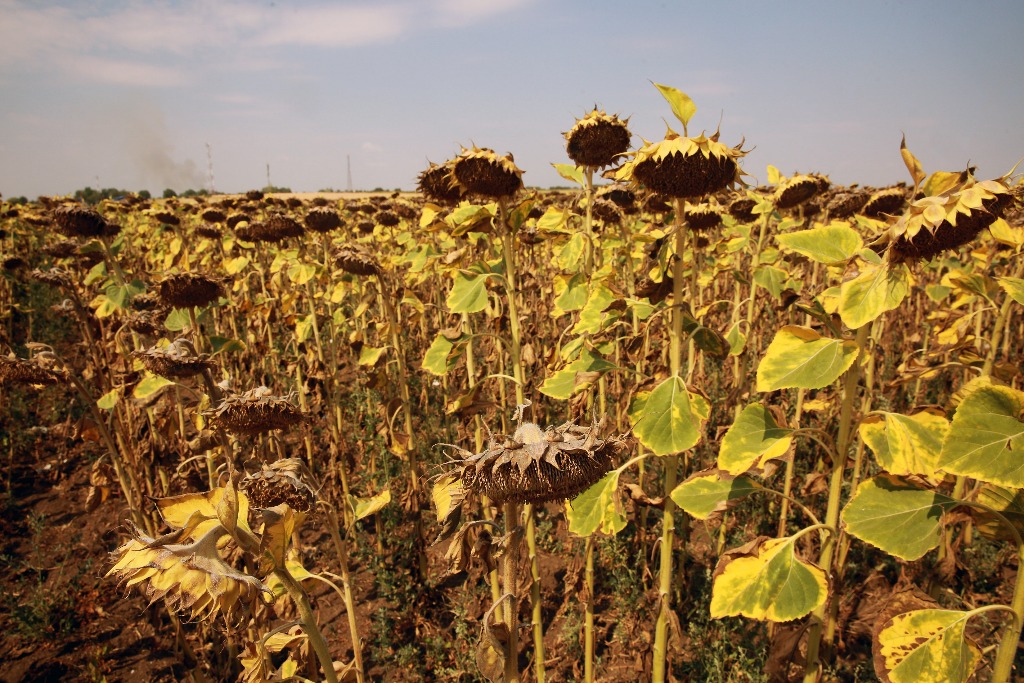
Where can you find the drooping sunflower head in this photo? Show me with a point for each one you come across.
(35, 372)
(184, 290)
(597, 139)
(357, 261)
(286, 481)
(279, 227)
(845, 204)
(176, 361)
(946, 221)
(254, 412)
(702, 217)
(75, 220)
(479, 171)
(683, 167)
(438, 185)
(621, 195)
(535, 465)
(798, 190)
(191, 577)
(323, 219)
(889, 201)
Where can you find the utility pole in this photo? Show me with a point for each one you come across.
(348, 184)
(209, 167)
(268, 175)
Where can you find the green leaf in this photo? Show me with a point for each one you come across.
(593, 315)
(437, 360)
(226, 345)
(926, 646)
(301, 273)
(570, 172)
(799, 357)
(573, 296)
(597, 509)
(468, 295)
(236, 265)
(906, 444)
(108, 400)
(706, 493)
(177, 320)
(986, 438)
(752, 440)
(704, 338)
(833, 243)
(1014, 286)
(362, 508)
(765, 580)
(671, 419)
(876, 290)
(560, 385)
(682, 106)
(369, 355)
(771, 278)
(737, 340)
(896, 516)
(304, 328)
(150, 385)
(572, 252)
(553, 220)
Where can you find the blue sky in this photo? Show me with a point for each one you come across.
(128, 93)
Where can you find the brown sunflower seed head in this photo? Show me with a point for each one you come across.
(534, 465)
(702, 217)
(889, 201)
(254, 195)
(209, 231)
(357, 262)
(366, 227)
(32, 372)
(845, 204)
(286, 481)
(146, 322)
(61, 249)
(388, 218)
(742, 209)
(236, 218)
(323, 219)
(597, 139)
(279, 227)
(13, 264)
(684, 167)
(479, 171)
(75, 220)
(184, 290)
(607, 211)
(213, 216)
(796, 191)
(177, 361)
(167, 218)
(254, 412)
(622, 196)
(55, 277)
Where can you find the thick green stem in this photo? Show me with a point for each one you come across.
(851, 382)
(309, 625)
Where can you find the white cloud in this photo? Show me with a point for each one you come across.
(371, 147)
(122, 72)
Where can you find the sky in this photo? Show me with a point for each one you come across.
(143, 95)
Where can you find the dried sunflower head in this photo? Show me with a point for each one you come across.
(55, 277)
(742, 209)
(597, 139)
(254, 412)
(61, 249)
(480, 171)
(209, 231)
(177, 361)
(889, 201)
(279, 227)
(323, 219)
(166, 218)
(684, 167)
(191, 577)
(388, 218)
(535, 465)
(35, 372)
(797, 190)
(702, 217)
(621, 195)
(75, 220)
(845, 204)
(606, 211)
(932, 225)
(184, 290)
(213, 216)
(146, 322)
(357, 261)
(285, 481)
